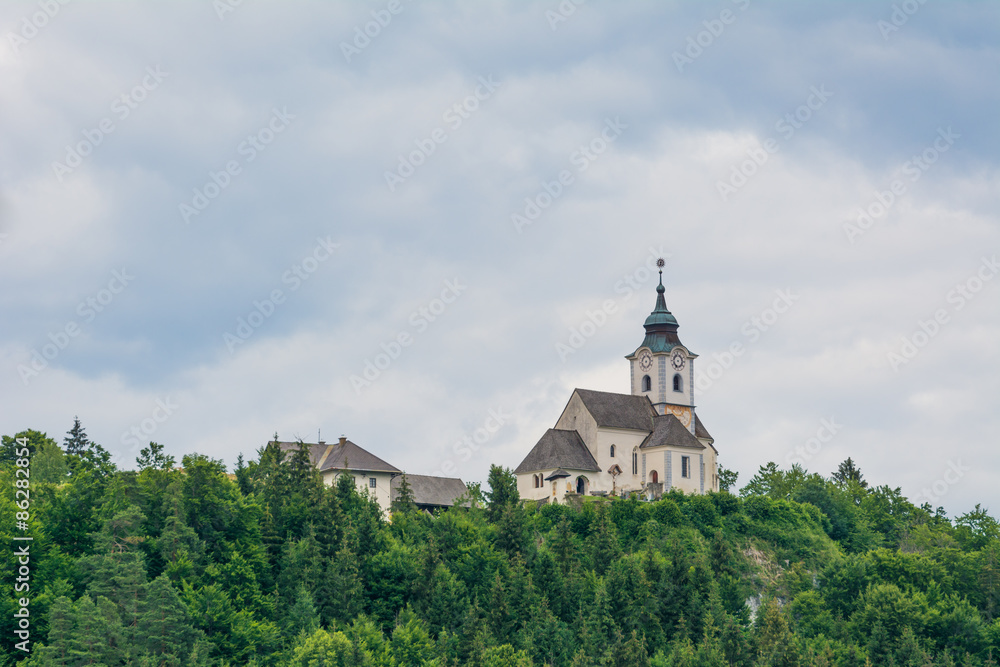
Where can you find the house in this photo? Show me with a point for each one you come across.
(649, 441)
(374, 476)
(431, 493)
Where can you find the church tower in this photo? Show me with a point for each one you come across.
(661, 367)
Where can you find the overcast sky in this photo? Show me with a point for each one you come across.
(481, 180)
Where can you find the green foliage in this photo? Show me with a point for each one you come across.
(727, 479)
(185, 566)
(153, 457)
(403, 502)
(502, 493)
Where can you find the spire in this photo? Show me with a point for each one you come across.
(661, 326)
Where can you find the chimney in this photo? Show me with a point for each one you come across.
(343, 439)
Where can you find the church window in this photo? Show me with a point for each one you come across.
(647, 383)
(678, 382)
(686, 466)
(538, 481)
(612, 451)
(635, 463)
(372, 482)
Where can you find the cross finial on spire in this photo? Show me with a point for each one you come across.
(660, 263)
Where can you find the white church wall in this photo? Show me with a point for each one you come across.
(624, 441)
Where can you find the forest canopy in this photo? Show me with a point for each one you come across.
(184, 563)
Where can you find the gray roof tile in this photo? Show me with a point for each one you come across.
(700, 430)
(559, 449)
(337, 456)
(618, 410)
(667, 430)
(428, 490)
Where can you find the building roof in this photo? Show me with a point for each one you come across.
(557, 474)
(343, 455)
(669, 431)
(618, 410)
(700, 430)
(428, 490)
(661, 325)
(559, 449)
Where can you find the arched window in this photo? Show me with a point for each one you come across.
(678, 382)
(612, 451)
(654, 477)
(647, 384)
(635, 462)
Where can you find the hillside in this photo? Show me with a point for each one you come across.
(186, 566)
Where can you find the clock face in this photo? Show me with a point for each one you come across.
(677, 360)
(645, 361)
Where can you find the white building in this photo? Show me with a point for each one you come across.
(373, 476)
(649, 441)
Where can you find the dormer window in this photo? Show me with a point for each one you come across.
(647, 383)
(678, 382)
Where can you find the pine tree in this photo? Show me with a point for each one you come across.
(775, 642)
(61, 621)
(302, 616)
(403, 503)
(164, 625)
(847, 472)
(76, 441)
(117, 568)
(342, 594)
(512, 531)
(498, 614)
(503, 492)
(632, 652)
(604, 547)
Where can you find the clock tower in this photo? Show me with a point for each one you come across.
(662, 368)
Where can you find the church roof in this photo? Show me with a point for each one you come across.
(700, 430)
(428, 490)
(559, 449)
(661, 325)
(618, 410)
(342, 456)
(669, 431)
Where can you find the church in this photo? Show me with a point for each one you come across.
(647, 442)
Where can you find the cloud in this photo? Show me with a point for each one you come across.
(494, 347)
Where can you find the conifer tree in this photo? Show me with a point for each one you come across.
(342, 594)
(847, 472)
(503, 492)
(403, 503)
(164, 625)
(76, 441)
(302, 616)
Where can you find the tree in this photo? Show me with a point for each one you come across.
(502, 493)
(84, 454)
(403, 503)
(727, 479)
(76, 441)
(164, 624)
(302, 616)
(847, 472)
(977, 528)
(153, 457)
(49, 463)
